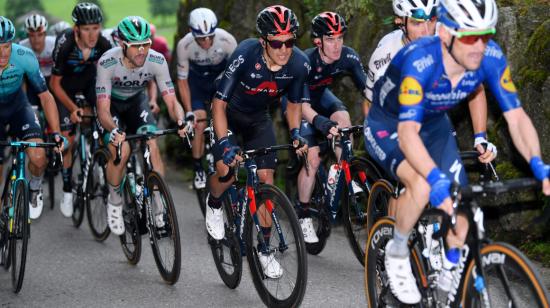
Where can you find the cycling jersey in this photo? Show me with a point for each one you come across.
(108, 34)
(45, 59)
(114, 79)
(388, 46)
(200, 67)
(249, 86)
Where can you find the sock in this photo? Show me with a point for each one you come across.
(197, 164)
(35, 183)
(67, 175)
(400, 247)
(114, 195)
(214, 202)
(303, 210)
(266, 231)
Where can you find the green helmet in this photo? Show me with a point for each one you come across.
(133, 29)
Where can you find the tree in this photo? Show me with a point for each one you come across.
(163, 7)
(98, 3)
(16, 8)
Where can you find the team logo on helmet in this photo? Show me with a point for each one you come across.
(410, 92)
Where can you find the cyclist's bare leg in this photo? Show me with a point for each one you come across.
(68, 153)
(217, 188)
(343, 119)
(306, 179)
(198, 140)
(116, 172)
(156, 159)
(37, 158)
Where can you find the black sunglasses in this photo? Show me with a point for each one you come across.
(279, 44)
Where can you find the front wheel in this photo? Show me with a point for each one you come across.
(510, 280)
(320, 217)
(163, 229)
(77, 190)
(97, 191)
(363, 174)
(131, 239)
(19, 235)
(276, 255)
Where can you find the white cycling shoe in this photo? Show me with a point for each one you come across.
(214, 222)
(66, 206)
(36, 204)
(401, 278)
(308, 230)
(115, 219)
(270, 266)
(200, 179)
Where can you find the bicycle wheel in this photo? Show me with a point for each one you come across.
(201, 197)
(97, 191)
(50, 176)
(77, 190)
(510, 279)
(227, 252)
(131, 239)
(6, 204)
(363, 174)
(285, 246)
(165, 239)
(377, 207)
(320, 217)
(19, 235)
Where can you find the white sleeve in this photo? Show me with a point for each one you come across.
(183, 58)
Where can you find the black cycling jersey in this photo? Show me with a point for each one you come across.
(322, 75)
(249, 86)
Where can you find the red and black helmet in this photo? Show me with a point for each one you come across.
(276, 20)
(327, 23)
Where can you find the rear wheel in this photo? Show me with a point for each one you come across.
(354, 210)
(97, 191)
(165, 237)
(19, 235)
(6, 204)
(379, 199)
(131, 239)
(77, 190)
(320, 217)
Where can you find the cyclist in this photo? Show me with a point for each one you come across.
(16, 63)
(122, 78)
(408, 133)
(258, 73)
(75, 55)
(324, 112)
(59, 27)
(202, 55)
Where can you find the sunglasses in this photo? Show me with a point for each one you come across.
(420, 15)
(204, 38)
(279, 44)
(143, 45)
(471, 37)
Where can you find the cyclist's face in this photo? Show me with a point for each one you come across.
(332, 46)
(37, 40)
(469, 56)
(5, 53)
(137, 53)
(89, 34)
(420, 28)
(205, 42)
(279, 55)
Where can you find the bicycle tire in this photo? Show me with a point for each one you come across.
(6, 204)
(504, 266)
(321, 220)
(201, 198)
(378, 204)
(97, 191)
(268, 289)
(227, 252)
(169, 272)
(50, 176)
(19, 235)
(131, 239)
(77, 191)
(364, 173)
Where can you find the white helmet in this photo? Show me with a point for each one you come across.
(468, 14)
(202, 22)
(418, 9)
(36, 22)
(59, 27)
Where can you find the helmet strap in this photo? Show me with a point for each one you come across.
(403, 28)
(450, 50)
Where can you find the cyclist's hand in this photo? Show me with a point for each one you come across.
(299, 142)
(183, 129)
(230, 151)
(541, 171)
(62, 142)
(76, 116)
(440, 188)
(154, 107)
(326, 126)
(116, 136)
(487, 150)
(190, 121)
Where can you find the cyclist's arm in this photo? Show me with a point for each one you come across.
(174, 108)
(164, 82)
(50, 110)
(59, 57)
(152, 91)
(478, 110)
(104, 114)
(183, 74)
(103, 90)
(524, 134)
(185, 94)
(307, 112)
(293, 114)
(59, 92)
(366, 106)
(219, 117)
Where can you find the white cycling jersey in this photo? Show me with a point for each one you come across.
(45, 59)
(108, 34)
(114, 79)
(203, 62)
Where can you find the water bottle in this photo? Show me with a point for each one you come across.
(332, 180)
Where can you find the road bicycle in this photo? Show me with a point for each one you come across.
(14, 214)
(260, 222)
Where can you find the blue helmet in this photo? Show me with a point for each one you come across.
(7, 31)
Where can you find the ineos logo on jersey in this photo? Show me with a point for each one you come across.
(233, 66)
(423, 63)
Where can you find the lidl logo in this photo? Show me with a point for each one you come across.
(410, 92)
(506, 81)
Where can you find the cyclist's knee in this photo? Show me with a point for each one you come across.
(37, 157)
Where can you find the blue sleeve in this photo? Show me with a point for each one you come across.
(355, 66)
(300, 69)
(34, 75)
(235, 66)
(498, 77)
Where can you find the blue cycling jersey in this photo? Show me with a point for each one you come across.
(248, 85)
(22, 62)
(416, 87)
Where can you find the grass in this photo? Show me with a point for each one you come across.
(115, 11)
